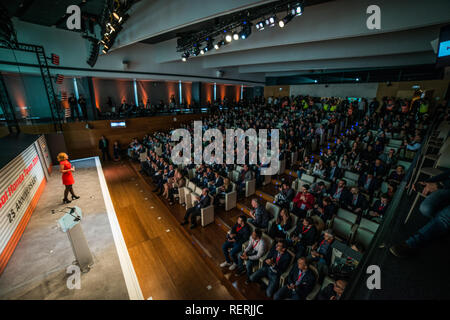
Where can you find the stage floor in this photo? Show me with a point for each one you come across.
(37, 269)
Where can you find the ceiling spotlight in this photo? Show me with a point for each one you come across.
(285, 20)
(104, 51)
(195, 51)
(185, 56)
(202, 51)
(235, 36)
(272, 21)
(245, 33)
(110, 27)
(260, 26)
(216, 46)
(299, 10)
(357, 79)
(183, 59)
(228, 38)
(116, 16)
(315, 81)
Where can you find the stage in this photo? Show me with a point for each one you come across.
(37, 268)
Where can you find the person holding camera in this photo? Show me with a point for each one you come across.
(235, 238)
(436, 206)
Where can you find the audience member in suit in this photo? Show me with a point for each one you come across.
(304, 235)
(276, 263)
(379, 208)
(338, 192)
(259, 216)
(235, 238)
(378, 169)
(300, 282)
(216, 183)
(333, 172)
(285, 196)
(321, 253)
(397, 176)
(244, 176)
(282, 225)
(333, 291)
(368, 183)
(355, 201)
(318, 190)
(255, 249)
(103, 145)
(203, 201)
(326, 210)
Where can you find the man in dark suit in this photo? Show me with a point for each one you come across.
(237, 236)
(368, 183)
(260, 217)
(333, 172)
(103, 145)
(300, 282)
(216, 183)
(202, 202)
(338, 192)
(333, 291)
(285, 196)
(304, 235)
(355, 201)
(379, 208)
(276, 263)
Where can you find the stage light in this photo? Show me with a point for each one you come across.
(202, 51)
(271, 21)
(228, 38)
(235, 36)
(245, 33)
(299, 10)
(195, 51)
(183, 59)
(285, 20)
(260, 26)
(185, 56)
(315, 81)
(216, 46)
(357, 79)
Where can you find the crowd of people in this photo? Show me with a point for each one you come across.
(332, 136)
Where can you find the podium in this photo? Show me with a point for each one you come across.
(70, 223)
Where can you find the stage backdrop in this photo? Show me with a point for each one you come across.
(21, 183)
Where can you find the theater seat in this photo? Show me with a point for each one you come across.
(347, 215)
(312, 295)
(207, 214)
(369, 225)
(363, 236)
(273, 209)
(267, 180)
(250, 187)
(351, 175)
(342, 228)
(231, 198)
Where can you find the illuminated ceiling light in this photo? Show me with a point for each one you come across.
(271, 21)
(216, 46)
(235, 36)
(299, 10)
(228, 38)
(202, 51)
(185, 56)
(116, 16)
(260, 26)
(285, 20)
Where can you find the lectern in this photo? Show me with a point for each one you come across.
(70, 223)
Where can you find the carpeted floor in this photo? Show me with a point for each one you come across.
(37, 269)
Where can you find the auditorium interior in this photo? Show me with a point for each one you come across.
(239, 150)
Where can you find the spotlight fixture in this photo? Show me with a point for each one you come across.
(116, 16)
(299, 10)
(285, 20)
(245, 33)
(260, 26)
(216, 46)
(235, 36)
(271, 21)
(195, 51)
(228, 38)
(202, 51)
(185, 56)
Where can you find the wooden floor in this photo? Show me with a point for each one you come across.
(171, 261)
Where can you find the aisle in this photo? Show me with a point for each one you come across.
(167, 266)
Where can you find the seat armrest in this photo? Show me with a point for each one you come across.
(207, 215)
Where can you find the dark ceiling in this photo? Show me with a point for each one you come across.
(50, 12)
(208, 24)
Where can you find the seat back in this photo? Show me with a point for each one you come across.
(308, 178)
(273, 209)
(342, 228)
(369, 225)
(363, 236)
(318, 223)
(395, 143)
(351, 175)
(350, 182)
(235, 176)
(406, 164)
(327, 183)
(347, 215)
